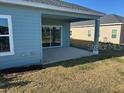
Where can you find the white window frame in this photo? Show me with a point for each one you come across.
(10, 35)
(114, 33)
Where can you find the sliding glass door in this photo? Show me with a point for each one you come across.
(46, 37)
(51, 36)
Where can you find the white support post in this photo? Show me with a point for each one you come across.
(96, 37)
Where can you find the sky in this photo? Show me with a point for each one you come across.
(106, 6)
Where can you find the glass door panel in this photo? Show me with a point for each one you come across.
(51, 36)
(46, 37)
(56, 36)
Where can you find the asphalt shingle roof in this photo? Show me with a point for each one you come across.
(61, 3)
(103, 20)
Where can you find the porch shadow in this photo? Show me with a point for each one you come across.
(20, 69)
(10, 82)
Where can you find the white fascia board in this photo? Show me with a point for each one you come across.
(50, 7)
(100, 25)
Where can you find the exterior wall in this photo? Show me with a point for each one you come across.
(122, 35)
(26, 24)
(26, 34)
(65, 31)
(105, 31)
(82, 33)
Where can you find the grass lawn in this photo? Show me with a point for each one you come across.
(96, 74)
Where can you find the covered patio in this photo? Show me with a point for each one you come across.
(55, 33)
(38, 31)
(56, 38)
(52, 55)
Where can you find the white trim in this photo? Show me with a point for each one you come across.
(9, 18)
(51, 7)
(109, 24)
(61, 35)
(4, 35)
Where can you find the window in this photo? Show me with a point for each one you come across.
(6, 36)
(114, 33)
(89, 33)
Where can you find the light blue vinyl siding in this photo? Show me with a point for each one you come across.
(26, 25)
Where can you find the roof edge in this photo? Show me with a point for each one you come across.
(50, 7)
(84, 7)
(100, 25)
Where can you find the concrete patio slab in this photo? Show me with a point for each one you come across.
(52, 55)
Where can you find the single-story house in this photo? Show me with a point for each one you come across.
(29, 29)
(111, 30)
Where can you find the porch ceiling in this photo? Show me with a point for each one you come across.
(67, 18)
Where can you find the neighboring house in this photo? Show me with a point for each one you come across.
(111, 29)
(27, 26)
